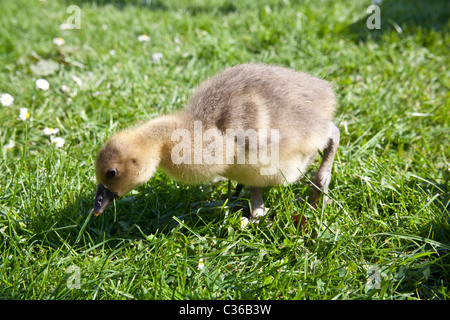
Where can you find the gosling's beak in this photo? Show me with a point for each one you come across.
(103, 199)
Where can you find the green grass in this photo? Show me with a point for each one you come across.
(391, 175)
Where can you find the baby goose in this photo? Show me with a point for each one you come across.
(259, 125)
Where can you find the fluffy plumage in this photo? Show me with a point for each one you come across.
(291, 114)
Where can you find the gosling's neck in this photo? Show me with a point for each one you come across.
(156, 137)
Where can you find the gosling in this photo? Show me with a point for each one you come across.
(256, 124)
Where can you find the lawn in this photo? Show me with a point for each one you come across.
(386, 234)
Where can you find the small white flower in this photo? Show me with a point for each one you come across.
(59, 41)
(6, 99)
(24, 114)
(201, 265)
(42, 84)
(49, 131)
(59, 142)
(77, 80)
(112, 52)
(65, 89)
(9, 145)
(244, 222)
(64, 26)
(143, 38)
(157, 56)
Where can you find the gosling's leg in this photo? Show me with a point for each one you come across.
(232, 198)
(323, 176)
(238, 190)
(257, 204)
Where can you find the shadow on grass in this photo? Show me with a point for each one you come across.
(148, 211)
(225, 8)
(121, 4)
(404, 16)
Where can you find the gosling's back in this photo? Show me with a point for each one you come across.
(257, 96)
(261, 96)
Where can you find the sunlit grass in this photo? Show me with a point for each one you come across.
(167, 240)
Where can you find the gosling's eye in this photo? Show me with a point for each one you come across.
(111, 173)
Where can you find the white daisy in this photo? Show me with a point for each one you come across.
(65, 89)
(24, 114)
(201, 265)
(59, 41)
(157, 56)
(50, 131)
(244, 222)
(9, 145)
(42, 84)
(143, 38)
(77, 80)
(64, 26)
(59, 142)
(6, 99)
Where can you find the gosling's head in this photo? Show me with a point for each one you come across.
(122, 164)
